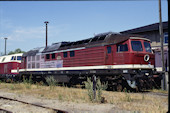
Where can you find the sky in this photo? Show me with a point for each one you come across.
(22, 22)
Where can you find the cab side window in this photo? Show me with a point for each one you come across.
(122, 47)
(53, 56)
(47, 56)
(65, 54)
(109, 49)
(72, 54)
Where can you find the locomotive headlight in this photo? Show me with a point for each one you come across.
(146, 57)
(146, 74)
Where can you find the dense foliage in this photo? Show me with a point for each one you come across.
(16, 51)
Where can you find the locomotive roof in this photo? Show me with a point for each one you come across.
(33, 52)
(54, 46)
(98, 40)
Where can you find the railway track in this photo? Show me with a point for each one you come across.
(8, 100)
(158, 94)
(4, 111)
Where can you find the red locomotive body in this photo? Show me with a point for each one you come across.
(112, 57)
(108, 55)
(9, 66)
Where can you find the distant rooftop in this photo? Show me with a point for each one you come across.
(151, 27)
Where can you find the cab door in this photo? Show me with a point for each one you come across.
(109, 55)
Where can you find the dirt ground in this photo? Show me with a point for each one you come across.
(71, 107)
(140, 101)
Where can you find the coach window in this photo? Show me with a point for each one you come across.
(136, 46)
(38, 57)
(33, 65)
(12, 58)
(33, 58)
(53, 56)
(29, 58)
(47, 56)
(109, 49)
(29, 66)
(37, 65)
(72, 54)
(3, 59)
(65, 54)
(122, 48)
(19, 57)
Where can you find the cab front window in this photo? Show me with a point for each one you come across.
(136, 46)
(147, 47)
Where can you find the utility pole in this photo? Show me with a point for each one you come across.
(161, 36)
(46, 22)
(5, 45)
(94, 87)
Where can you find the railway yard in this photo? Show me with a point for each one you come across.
(108, 72)
(36, 98)
(53, 79)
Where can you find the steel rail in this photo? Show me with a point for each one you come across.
(4, 111)
(56, 110)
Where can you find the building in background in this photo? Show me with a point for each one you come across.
(152, 32)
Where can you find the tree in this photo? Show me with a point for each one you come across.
(16, 51)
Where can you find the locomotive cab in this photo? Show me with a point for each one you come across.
(141, 51)
(133, 53)
(139, 59)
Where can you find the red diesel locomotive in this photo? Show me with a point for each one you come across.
(121, 60)
(9, 66)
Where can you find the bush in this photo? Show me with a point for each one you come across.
(27, 82)
(51, 81)
(99, 88)
(89, 87)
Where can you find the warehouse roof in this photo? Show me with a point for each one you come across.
(151, 27)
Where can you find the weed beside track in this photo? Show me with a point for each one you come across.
(122, 100)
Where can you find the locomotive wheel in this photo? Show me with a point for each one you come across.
(119, 87)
